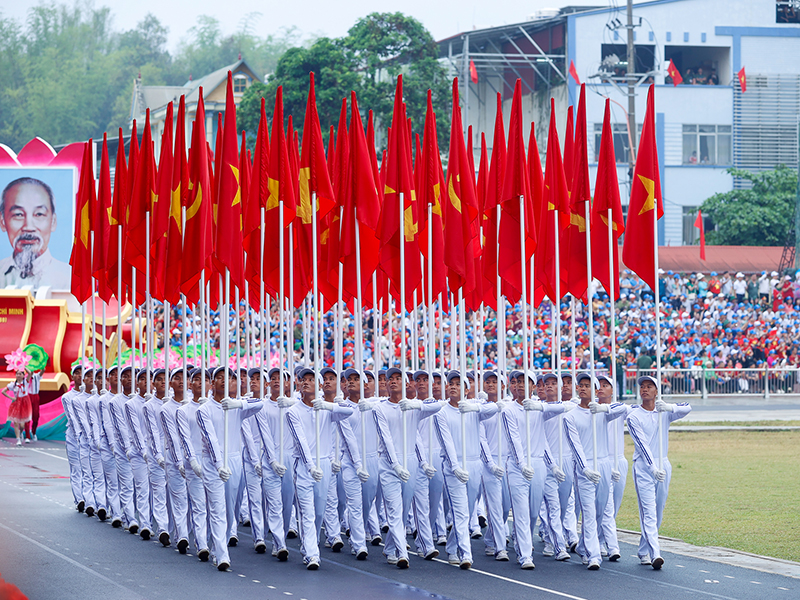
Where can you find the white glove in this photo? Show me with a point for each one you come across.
(336, 466)
(482, 396)
(467, 406)
(258, 470)
(527, 473)
(503, 405)
(596, 407)
(198, 470)
(407, 404)
(224, 473)
(278, 468)
(160, 462)
(461, 475)
(659, 475)
(568, 406)
(284, 402)
(231, 403)
(662, 406)
(615, 475)
(592, 475)
(316, 474)
(363, 475)
(364, 406)
(182, 471)
(558, 473)
(320, 404)
(428, 469)
(497, 471)
(530, 404)
(402, 473)
(247, 396)
(129, 453)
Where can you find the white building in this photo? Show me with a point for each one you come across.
(701, 130)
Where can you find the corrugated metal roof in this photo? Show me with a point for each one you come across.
(747, 259)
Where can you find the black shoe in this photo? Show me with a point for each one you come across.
(101, 514)
(482, 521)
(362, 555)
(572, 547)
(183, 544)
(81, 506)
(614, 557)
(291, 534)
(203, 555)
(133, 529)
(116, 523)
(337, 546)
(223, 566)
(385, 529)
(89, 511)
(145, 534)
(283, 555)
(347, 532)
(376, 541)
(164, 538)
(658, 562)
(261, 547)
(402, 563)
(232, 542)
(246, 523)
(432, 554)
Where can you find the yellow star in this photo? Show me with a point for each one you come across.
(304, 208)
(650, 186)
(175, 207)
(454, 199)
(410, 228)
(198, 200)
(578, 221)
(238, 197)
(274, 187)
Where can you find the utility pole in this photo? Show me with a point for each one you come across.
(631, 88)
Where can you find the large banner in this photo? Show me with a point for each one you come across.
(36, 217)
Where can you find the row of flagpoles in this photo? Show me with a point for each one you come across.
(296, 224)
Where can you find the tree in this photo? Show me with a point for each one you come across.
(759, 216)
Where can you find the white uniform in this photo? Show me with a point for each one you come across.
(527, 496)
(87, 410)
(251, 457)
(462, 496)
(590, 499)
(495, 491)
(643, 427)
(428, 494)
(222, 496)
(107, 442)
(192, 446)
(73, 449)
(559, 495)
(271, 482)
(397, 496)
(116, 409)
(310, 495)
(138, 459)
(616, 448)
(174, 469)
(155, 458)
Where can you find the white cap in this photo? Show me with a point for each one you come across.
(774, 274)
(740, 274)
(700, 276)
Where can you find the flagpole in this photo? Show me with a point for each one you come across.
(148, 303)
(414, 334)
(119, 301)
(463, 369)
(501, 335)
(246, 327)
(612, 323)
(557, 334)
(590, 320)
(430, 353)
(227, 362)
(573, 365)
(306, 333)
(658, 335)
(377, 322)
(134, 327)
(453, 325)
(103, 349)
(265, 316)
(94, 319)
(236, 325)
(522, 262)
(359, 341)
(282, 320)
(315, 311)
(166, 306)
(532, 301)
(402, 239)
(184, 320)
(290, 314)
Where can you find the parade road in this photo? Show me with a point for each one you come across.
(50, 551)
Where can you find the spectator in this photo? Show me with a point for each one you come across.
(714, 285)
(740, 287)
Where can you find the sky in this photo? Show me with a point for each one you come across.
(443, 18)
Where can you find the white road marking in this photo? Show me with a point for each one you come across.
(47, 454)
(756, 582)
(729, 577)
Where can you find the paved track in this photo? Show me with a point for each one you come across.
(50, 551)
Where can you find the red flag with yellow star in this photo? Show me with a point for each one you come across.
(81, 259)
(143, 197)
(179, 194)
(606, 197)
(673, 72)
(102, 226)
(228, 252)
(639, 247)
(256, 200)
(579, 195)
(115, 216)
(160, 212)
(742, 79)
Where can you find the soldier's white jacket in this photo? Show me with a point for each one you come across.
(643, 427)
(578, 433)
(189, 431)
(513, 419)
(448, 429)
(211, 420)
(389, 424)
(121, 432)
(300, 423)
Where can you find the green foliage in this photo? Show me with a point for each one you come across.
(759, 216)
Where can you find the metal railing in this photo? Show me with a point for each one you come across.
(701, 382)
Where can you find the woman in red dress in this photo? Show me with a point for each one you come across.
(19, 413)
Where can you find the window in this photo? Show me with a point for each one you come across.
(615, 56)
(621, 141)
(787, 11)
(707, 145)
(239, 83)
(700, 65)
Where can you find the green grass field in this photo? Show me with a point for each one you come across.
(735, 489)
(682, 423)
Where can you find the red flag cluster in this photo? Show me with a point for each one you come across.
(290, 215)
